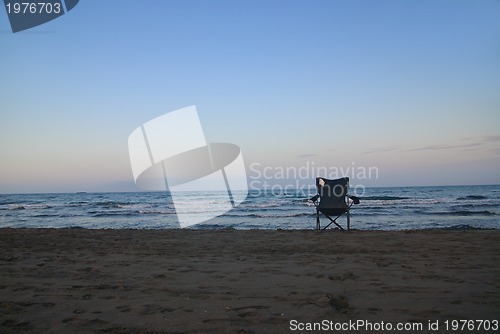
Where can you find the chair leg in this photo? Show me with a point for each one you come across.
(348, 219)
(317, 219)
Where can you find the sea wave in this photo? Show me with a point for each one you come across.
(78, 203)
(478, 205)
(16, 207)
(115, 213)
(111, 204)
(471, 197)
(464, 227)
(383, 198)
(457, 213)
(260, 215)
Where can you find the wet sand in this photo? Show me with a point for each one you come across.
(227, 281)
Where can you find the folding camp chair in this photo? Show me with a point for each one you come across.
(333, 201)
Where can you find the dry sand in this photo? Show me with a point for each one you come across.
(227, 281)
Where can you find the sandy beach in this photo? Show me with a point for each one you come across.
(228, 281)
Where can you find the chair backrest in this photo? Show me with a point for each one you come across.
(332, 193)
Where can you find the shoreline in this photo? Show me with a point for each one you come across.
(213, 228)
(185, 280)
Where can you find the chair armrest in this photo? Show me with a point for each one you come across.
(355, 199)
(314, 198)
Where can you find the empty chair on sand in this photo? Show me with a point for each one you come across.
(332, 200)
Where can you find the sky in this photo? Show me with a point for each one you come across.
(410, 89)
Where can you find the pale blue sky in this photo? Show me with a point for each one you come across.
(410, 87)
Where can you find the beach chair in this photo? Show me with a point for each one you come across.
(333, 201)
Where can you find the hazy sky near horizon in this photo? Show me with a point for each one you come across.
(409, 87)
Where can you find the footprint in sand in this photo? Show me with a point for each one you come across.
(155, 308)
(14, 323)
(340, 303)
(124, 308)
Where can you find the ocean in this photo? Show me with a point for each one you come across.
(390, 208)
